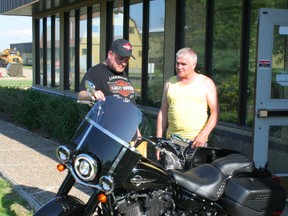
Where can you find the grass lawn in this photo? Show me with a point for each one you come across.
(21, 83)
(10, 202)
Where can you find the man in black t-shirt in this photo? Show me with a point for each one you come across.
(109, 77)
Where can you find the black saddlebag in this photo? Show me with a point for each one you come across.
(253, 196)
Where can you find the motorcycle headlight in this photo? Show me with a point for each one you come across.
(106, 183)
(63, 153)
(86, 167)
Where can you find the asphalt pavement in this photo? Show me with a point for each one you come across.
(29, 162)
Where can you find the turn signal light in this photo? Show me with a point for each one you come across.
(277, 213)
(102, 198)
(276, 179)
(61, 167)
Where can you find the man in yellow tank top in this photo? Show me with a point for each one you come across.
(185, 102)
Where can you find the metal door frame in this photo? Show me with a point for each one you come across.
(268, 112)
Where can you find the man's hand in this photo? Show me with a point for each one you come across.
(98, 95)
(158, 155)
(200, 140)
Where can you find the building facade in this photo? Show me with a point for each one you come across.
(71, 36)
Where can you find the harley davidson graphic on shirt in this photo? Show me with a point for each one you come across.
(109, 82)
(121, 87)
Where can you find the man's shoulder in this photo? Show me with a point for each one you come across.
(205, 78)
(99, 70)
(99, 66)
(207, 82)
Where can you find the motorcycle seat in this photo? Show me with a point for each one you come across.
(206, 181)
(233, 164)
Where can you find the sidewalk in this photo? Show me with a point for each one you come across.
(29, 162)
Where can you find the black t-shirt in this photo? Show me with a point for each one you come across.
(109, 82)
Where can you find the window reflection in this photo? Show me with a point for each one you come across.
(49, 51)
(156, 50)
(57, 50)
(72, 51)
(135, 38)
(226, 56)
(96, 34)
(41, 50)
(279, 85)
(117, 20)
(194, 29)
(83, 42)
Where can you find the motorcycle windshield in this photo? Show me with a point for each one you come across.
(107, 132)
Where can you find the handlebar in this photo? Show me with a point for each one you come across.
(176, 152)
(90, 103)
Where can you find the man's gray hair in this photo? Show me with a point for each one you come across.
(187, 51)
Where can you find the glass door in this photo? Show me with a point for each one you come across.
(271, 102)
(270, 140)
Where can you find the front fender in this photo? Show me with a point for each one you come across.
(62, 205)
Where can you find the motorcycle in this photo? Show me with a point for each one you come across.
(104, 156)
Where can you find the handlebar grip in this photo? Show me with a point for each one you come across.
(84, 101)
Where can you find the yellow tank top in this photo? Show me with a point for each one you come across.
(187, 108)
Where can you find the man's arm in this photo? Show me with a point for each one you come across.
(162, 118)
(83, 95)
(213, 104)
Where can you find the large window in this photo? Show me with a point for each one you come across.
(155, 53)
(222, 43)
(135, 38)
(225, 41)
(83, 42)
(72, 50)
(117, 20)
(226, 56)
(57, 50)
(79, 52)
(50, 47)
(41, 59)
(49, 62)
(49, 27)
(155, 46)
(194, 29)
(96, 34)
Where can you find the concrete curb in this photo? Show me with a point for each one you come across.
(35, 206)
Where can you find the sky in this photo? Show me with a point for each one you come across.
(14, 29)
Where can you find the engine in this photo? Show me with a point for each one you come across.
(156, 202)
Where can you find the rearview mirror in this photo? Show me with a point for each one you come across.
(90, 88)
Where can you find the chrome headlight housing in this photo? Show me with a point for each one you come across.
(86, 167)
(106, 183)
(63, 153)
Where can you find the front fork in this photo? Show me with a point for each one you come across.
(66, 185)
(93, 201)
(107, 208)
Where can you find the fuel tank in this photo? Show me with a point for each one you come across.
(146, 175)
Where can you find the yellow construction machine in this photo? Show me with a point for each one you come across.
(12, 61)
(10, 56)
